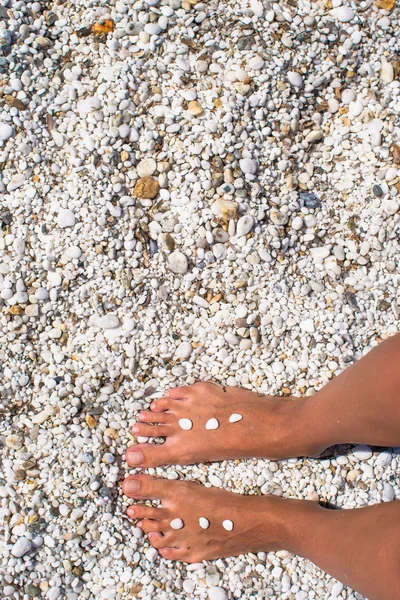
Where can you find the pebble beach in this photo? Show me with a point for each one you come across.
(188, 191)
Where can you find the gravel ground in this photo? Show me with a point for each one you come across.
(188, 191)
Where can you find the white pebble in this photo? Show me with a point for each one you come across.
(343, 13)
(151, 554)
(176, 524)
(66, 218)
(183, 351)
(204, 523)
(295, 79)
(212, 424)
(362, 452)
(217, 593)
(21, 547)
(185, 424)
(227, 524)
(6, 132)
(248, 166)
(244, 225)
(235, 417)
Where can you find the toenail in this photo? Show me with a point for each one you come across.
(135, 457)
(131, 486)
(135, 428)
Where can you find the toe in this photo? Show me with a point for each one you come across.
(139, 511)
(151, 430)
(173, 554)
(148, 455)
(181, 392)
(149, 416)
(148, 525)
(157, 540)
(145, 487)
(161, 404)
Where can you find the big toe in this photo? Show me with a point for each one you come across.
(148, 455)
(145, 487)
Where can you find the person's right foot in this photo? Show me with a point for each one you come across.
(271, 427)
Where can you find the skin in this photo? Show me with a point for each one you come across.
(359, 547)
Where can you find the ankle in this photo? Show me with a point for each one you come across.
(302, 431)
(293, 521)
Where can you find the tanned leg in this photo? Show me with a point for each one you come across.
(361, 405)
(359, 547)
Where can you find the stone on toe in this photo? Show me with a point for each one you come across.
(227, 524)
(185, 424)
(204, 523)
(176, 523)
(212, 424)
(235, 418)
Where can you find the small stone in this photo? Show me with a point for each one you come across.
(54, 279)
(385, 4)
(177, 262)
(194, 108)
(295, 79)
(362, 452)
(204, 523)
(307, 326)
(183, 351)
(212, 424)
(146, 168)
(277, 217)
(21, 547)
(256, 63)
(14, 442)
(108, 321)
(343, 13)
(337, 589)
(378, 191)
(32, 310)
(384, 459)
(217, 593)
(310, 200)
(147, 188)
(151, 554)
(244, 225)
(166, 243)
(16, 182)
(348, 96)
(226, 209)
(32, 590)
(390, 207)
(235, 417)
(185, 424)
(297, 223)
(6, 132)
(176, 524)
(108, 458)
(227, 524)
(314, 136)
(90, 421)
(248, 166)
(387, 72)
(66, 218)
(189, 586)
(14, 102)
(388, 492)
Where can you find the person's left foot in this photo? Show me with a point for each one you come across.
(254, 519)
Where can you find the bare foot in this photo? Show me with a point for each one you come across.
(255, 519)
(271, 427)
